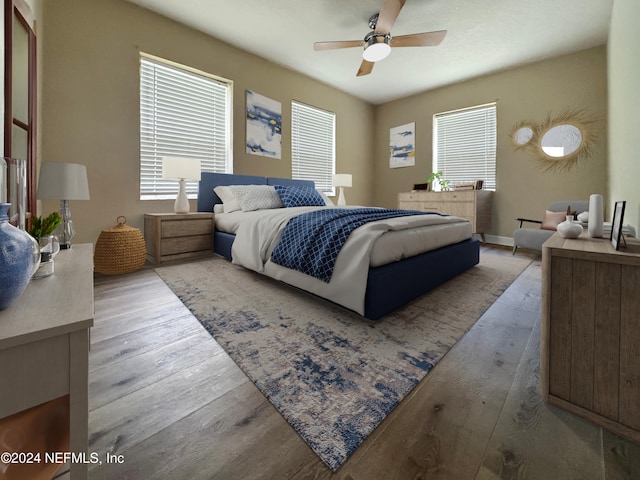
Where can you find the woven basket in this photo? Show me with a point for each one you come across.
(120, 249)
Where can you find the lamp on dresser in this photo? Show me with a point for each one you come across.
(341, 180)
(181, 169)
(63, 181)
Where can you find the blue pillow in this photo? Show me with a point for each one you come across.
(299, 196)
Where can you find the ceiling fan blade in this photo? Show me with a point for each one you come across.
(365, 68)
(427, 39)
(337, 44)
(388, 13)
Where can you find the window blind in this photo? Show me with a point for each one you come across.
(465, 145)
(313, 145)
(182, 114)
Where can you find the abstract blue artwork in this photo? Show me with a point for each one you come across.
(402, 146)
(264, 126)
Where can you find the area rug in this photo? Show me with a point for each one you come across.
(332, 374)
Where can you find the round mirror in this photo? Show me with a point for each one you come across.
(561, 140)
(523, 135)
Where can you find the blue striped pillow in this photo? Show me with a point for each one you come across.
(299, 196)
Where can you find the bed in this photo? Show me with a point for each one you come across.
(388, 281)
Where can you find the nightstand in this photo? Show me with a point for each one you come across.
(175, 236)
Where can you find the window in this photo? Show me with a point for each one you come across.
(464, 146)
(313, 145)
(183, 113)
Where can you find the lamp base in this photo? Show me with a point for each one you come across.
(341, 199)
(181, 204)
(65, 231)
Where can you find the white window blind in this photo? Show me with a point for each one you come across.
(313, 145)
(464, 146)
(183, 113)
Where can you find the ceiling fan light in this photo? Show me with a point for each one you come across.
(376, 48)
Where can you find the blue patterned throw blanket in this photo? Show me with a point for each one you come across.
(310, 242)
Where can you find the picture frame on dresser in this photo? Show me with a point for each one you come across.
(616, 225)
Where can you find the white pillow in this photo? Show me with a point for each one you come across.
(218, 208)
(256, 197)
(327, 201)
(229, 201)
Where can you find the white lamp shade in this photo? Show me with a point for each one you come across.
(63, 181)
(180, 168)
(342, 180)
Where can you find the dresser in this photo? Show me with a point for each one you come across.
(175, 236)
(44, 346)
(472, 205)
(590, 331)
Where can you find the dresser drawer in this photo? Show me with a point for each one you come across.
(186, 228)
(172, 246)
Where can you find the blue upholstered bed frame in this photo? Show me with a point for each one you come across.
(388, 286)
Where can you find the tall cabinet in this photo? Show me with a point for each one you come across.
(590, 331)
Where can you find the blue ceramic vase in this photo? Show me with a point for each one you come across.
(18, 257)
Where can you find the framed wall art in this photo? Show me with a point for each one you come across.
(402, 146)
(264, 126)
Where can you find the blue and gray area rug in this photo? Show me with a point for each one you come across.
(333, 375)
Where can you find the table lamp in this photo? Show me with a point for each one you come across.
(181, 169)
(64, 182)
(341, 180)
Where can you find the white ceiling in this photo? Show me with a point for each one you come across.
(483, 36)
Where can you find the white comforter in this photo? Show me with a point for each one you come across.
(255, 240)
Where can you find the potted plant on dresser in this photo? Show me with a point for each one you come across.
(42, 229)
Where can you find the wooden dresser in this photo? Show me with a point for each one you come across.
(175, 236)
(473, 205)
(44, 346)
(590, 331)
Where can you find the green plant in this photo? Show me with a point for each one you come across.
(444, 184)
(41, 227)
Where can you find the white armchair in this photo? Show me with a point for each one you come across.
(534, 237)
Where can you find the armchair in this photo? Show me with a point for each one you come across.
(534, 237)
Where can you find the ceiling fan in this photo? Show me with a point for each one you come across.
(378, 42)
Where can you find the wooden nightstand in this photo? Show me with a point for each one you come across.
(174, 236)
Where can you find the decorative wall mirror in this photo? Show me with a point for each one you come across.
(19, 132)
(560, 142)
(522, 135)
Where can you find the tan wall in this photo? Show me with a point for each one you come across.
(529, 92)
(624, 108)
(91, 105)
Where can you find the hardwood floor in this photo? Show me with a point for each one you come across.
(165, 396)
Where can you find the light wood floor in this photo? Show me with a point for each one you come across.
(165, 396)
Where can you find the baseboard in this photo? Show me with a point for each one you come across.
(497, 240)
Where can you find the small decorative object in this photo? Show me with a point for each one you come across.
(616, 227)
(49, 248)
(444, 184)
(342, 180)
(596, 216)
(181, 169)
(42, 229)
(569, 228)
(120, 249)
(15, 191)
(583, 217)
(19, 259)
(64, 182)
